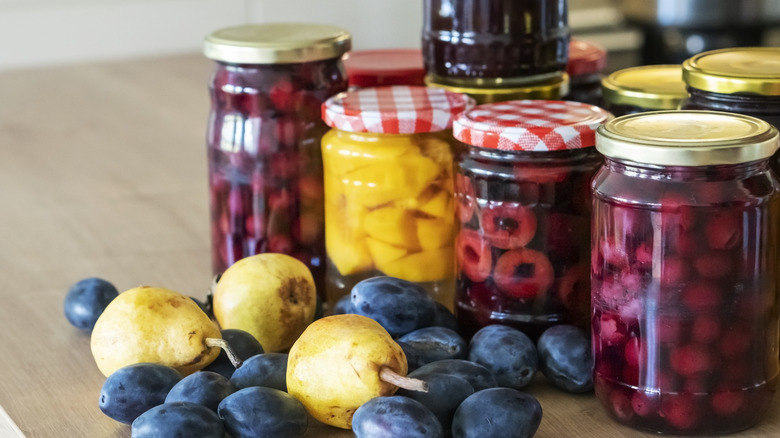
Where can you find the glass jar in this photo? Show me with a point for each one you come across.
(264, 130)
(640, 89)
(585, 69)
(494, 38)
(523, 247)
(383, 67)
(549, 88)
(389, 205)
(743, 80)
(684, 271)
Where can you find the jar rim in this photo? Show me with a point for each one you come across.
(753, 70)
(276, 43)
(687, 138)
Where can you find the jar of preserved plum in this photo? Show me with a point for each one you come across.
(743, 80)
(494, 39)
(523, 191)
(264, 131)
(684, 271)
(585, 69)
(384, 67)
(646, 88)
(389, 204)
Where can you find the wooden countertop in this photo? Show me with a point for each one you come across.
(103, 173)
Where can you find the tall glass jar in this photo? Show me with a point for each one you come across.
(646, 88)
(684, 271)
(264, 130)
(744, 80)
(389, 205)
(523, 190)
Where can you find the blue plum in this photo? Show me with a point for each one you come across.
(259, 412)
(86, 300)
(206, 388)
(477, 375)
(445, 393)
(497, 413)
(435, 343)
(395, 416)
(178, 420)
(266, 369)
(565, 358)
(242, 343)
(134, 389)
(509, 353)
(398, 305)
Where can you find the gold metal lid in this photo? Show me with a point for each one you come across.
(276, 43)
(547, 90)
(654, 87)
(687, 138)
(736, 70)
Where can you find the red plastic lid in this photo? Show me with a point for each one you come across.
(585, 58)
(398, 109)
(530, 125)
(374, 68)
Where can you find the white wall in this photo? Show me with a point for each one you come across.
(37, 33)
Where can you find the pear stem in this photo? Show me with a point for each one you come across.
(388, 375)
(223, 344)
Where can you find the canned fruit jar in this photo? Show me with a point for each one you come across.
(265, 165)
(494, 38)
(389, 204)
(645, 88)
(684, 271)
(523, 193)
(585, 68)
(743, 80)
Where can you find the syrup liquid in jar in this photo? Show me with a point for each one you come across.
(264, 130)
(523, 190)
(684, 271)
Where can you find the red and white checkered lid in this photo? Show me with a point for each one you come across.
(395, 110)
(530, 125)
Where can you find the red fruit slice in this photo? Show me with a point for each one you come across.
(523, 273)
(508, 226)
(473, 255)
(466, 196)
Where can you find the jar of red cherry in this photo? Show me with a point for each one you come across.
(523, 191)
(264, 130)
(585, 69)
(389, 204)
(684, 271)
(743, 80)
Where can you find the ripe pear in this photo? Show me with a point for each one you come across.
(270, 295)
(341, 362)
(151, 324)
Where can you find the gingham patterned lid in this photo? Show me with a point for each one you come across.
(530, 125)
(394, 110)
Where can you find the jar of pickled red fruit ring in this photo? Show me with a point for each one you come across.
(646, 88)
(551, 88)
(494, 38)
(264, 130)
(523, 190)
(384, 67)
(684, 271)
(389, 204)
(743, 80)
(585, 69)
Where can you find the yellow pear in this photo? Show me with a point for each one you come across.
(341, 362)
(150, 324)
(270, 295)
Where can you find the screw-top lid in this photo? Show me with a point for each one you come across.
(530, 125)
(374, 68)
(394, 110)
(687, 138)
(736, 70)
(653, 87)
(549, 87)
(585, 58)
(276, 43)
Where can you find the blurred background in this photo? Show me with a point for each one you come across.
(38, 33)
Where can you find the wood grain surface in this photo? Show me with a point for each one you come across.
(103, 173)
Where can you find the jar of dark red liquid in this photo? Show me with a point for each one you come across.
(489, 39)
(523, 191)
(684, 271)
(744, 80)
(641, 89)
(585, 69)
(384, 67)
(389, 204)
(265, 165)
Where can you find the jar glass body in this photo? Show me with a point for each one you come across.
(494, 38)
(684, 295)
(766, 108)
(523, 248)
(389, 210)
(264, 160)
